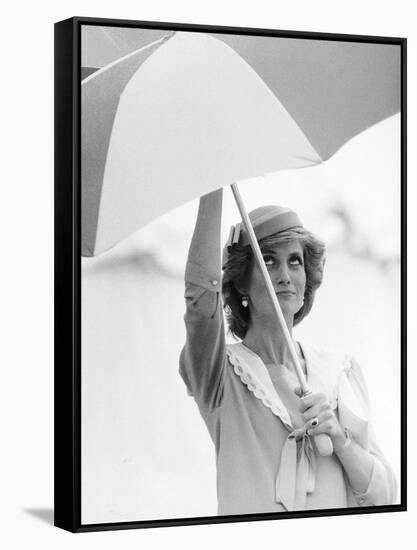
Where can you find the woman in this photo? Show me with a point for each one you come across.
(247, 392)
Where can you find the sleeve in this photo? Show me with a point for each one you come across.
(354, 414)
(203, 357)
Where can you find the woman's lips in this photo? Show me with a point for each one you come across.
(285, 293)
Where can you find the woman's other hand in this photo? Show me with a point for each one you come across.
(319, 417)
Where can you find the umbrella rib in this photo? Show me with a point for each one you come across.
(308, 160)
(111, 38)
(127, 56)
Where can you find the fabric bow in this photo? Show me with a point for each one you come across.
(297, 474)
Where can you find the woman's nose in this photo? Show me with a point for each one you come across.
(283, 277)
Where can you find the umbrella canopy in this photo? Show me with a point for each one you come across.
(191, 112)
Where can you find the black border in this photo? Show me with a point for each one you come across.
(67, 246)
(67, 410)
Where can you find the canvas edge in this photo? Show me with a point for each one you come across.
(67, 411)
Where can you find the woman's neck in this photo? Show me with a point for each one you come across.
(267, 340)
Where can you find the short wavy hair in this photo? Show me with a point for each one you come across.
(237, 269)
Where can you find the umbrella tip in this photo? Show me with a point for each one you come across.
(168, 36)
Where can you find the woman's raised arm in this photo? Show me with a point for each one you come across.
(205, 243)
(203, 357)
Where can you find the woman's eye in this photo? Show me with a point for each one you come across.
(296, 260)
(269, 260)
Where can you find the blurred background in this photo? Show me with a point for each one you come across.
(146, 453)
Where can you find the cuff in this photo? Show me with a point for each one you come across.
(378, 491)
(201, 276)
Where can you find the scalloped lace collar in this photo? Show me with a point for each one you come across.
(253, 373)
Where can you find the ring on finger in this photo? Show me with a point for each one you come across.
(315, 422)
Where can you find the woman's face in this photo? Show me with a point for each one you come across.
(285, 264)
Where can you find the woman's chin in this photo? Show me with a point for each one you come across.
(288, 305)
(288, 312)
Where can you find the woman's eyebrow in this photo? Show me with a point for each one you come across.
(274, 251)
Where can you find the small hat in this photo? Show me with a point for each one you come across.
(266, 220)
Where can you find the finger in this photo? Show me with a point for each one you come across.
(298, 391)
(326, 427)
(328, 414)
(320, 418)
(316, 410)
(320, 429)
(311, 400)
(313, 423)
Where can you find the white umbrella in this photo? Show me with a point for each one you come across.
(188, 114)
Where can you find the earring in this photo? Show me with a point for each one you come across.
(245, 301)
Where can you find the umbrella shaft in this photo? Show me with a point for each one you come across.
(270, 289)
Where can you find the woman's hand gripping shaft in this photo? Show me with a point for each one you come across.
(321, 422)
(323, 442)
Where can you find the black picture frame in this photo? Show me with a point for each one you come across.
(67, 387)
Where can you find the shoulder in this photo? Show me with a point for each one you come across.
(246, 364)
(326, 360)
(340, 374)
(237, 353)
(325, 369)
